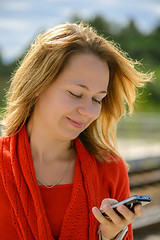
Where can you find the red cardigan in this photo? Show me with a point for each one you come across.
(23, 215)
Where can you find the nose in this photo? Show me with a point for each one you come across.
(89, 110)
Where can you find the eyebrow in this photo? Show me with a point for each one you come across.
(85, 87)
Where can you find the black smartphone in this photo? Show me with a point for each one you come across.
(130, 203)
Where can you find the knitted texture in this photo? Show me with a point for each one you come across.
(21, 194)
(28, 214)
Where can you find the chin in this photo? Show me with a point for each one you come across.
(66, 137)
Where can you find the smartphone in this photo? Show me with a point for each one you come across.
(130, 203)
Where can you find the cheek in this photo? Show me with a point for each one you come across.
(70, 103)
(43, 111)
(95, 115)
(98, 111)
(57, 105)
(45, 107)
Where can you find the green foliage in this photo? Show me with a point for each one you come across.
(141, 47)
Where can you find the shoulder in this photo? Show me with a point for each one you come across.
(113, 176)
(4, 140)
(113, 165)
(4, 145)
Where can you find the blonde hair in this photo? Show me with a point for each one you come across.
(46, 59)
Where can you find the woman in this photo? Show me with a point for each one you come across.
(59, 165)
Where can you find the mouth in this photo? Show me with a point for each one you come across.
(75, 124)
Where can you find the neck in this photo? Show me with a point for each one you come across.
(46, 148)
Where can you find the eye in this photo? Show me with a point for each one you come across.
(99, 102)
(75, 95)
(80, 96)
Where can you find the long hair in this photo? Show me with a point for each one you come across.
(47, 58)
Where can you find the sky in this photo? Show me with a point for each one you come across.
(22, 20)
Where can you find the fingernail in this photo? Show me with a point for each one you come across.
(139, 208)
(121, 208)
(94, 209)
(107, 207)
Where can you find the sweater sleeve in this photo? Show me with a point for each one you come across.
(116, 184)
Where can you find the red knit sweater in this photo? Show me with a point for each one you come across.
(23, 214)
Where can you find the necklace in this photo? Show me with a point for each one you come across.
(63, 175)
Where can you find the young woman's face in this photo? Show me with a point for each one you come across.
(73, 101)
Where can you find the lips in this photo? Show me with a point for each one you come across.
(76, 124)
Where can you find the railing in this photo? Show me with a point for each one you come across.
(146, 181)
(139, 145)
(140, 125)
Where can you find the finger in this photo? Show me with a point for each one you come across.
(119, 221)
(98, 215)
(138, 209)
(108, 201)
(126, 213)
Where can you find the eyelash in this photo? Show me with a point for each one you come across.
(79, 96)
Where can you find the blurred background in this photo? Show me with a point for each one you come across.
(135, 26)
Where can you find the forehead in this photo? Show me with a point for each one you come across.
(86, 69)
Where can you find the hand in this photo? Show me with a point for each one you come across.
(111, 226)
